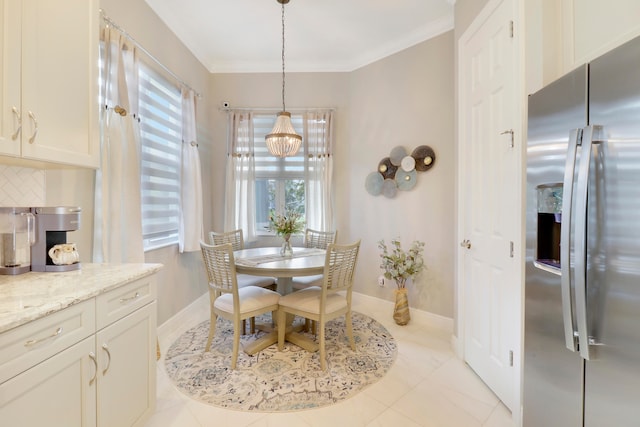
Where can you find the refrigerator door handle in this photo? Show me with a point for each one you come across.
(570, 330)
(581, 241)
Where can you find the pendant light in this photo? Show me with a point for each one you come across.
(283, 140)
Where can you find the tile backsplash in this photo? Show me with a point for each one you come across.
(21, 186)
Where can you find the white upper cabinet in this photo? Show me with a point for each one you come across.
(593, 27)
(49, 90)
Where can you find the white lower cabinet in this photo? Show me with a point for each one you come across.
(127, 369)
(56, 392)
(58, 372)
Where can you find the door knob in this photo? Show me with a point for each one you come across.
(466, 244)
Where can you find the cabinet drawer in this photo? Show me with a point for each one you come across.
(117, 303)
(29, 344)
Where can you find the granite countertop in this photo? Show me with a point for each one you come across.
(30, 296)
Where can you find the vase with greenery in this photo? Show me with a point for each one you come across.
(285, 225)
(401, 265)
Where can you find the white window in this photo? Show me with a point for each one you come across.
(280, 182)
(161, 139)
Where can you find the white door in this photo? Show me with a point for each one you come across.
(489, 218)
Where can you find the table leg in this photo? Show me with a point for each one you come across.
(284, 285)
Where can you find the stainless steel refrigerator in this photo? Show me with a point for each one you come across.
(582, 295)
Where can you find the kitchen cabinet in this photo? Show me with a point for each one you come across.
(56, 392)
(126, 351)
(90, 364)
(49, 83)
(593, 27)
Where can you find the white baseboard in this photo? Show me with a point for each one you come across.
(418, 316)
(421, 316)
(178, 320)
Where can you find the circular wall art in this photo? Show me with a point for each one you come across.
(397, 154)
(399, 171)
(374, 183)
(387, 169)
(389, 188)
(408, 164)
(425, 157)
(406, 180)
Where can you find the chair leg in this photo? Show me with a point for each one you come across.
(282, 325)
(236, 345)
(350, 330)
(252, 325)
(212, 331)
(323, 362)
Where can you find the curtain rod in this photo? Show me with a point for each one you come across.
(275, 109)
(173, 75)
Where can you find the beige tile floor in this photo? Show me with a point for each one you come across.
(427, 386)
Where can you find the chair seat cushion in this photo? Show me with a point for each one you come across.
(251, 298)
(303, 282)
(309, 300)
(249, 280)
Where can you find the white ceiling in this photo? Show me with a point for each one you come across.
(234, 36)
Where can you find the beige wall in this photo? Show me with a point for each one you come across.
(465, 11)
(182, 279)
(264, 90)
(405, 99)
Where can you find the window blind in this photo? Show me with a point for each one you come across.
(161, 138)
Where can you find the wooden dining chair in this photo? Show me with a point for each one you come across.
(227, 299)
(326, 302)
(314, 239)
(236, 239)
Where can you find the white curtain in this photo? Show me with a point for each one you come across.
(118, 218)
(191, 224)
(319, 141)
(240, 176)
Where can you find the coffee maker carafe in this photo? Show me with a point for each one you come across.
(17, 234)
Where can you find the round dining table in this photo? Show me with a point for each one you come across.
(268, 262)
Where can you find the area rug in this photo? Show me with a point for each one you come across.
(273, 381)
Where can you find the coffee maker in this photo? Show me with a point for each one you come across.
(17, 234)
(52, 226)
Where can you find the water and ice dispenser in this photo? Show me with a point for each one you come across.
(549, 212)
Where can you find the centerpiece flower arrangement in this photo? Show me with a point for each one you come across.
(285, 225)
(401, 265)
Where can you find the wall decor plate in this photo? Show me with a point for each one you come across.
(408, 163)
(425, 157)
(387, 169)
(389, 188)
(397, 154)
(373, 183)
(406, 180)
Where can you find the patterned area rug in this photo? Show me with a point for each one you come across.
(273, 381)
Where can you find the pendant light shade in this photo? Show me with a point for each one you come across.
(283, 141)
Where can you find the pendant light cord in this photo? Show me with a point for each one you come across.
(283, 107)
